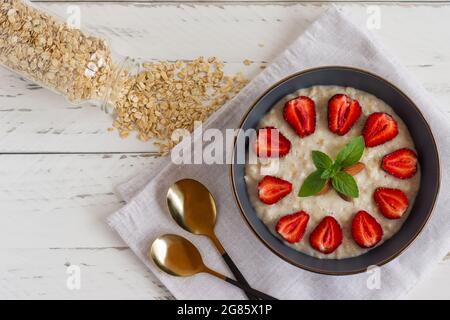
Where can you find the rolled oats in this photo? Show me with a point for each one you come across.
(154, 101)
(49, 52)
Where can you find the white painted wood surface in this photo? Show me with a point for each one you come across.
(59, 165)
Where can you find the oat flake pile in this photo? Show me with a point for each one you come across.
(151, 98)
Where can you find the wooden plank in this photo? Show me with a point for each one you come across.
(52, 215)
(61, 201)
(116, 273)
(53, 210)
(106, 273)
(53, 206)
(435, 285)
(35, 120)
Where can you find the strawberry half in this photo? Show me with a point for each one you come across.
(401, 163)
(327, 235)
(300, 113)
(343, 112)
(293, 226)
(270, 142)
(391, 202)
(272, 189)
(366, 231)
(380, 127)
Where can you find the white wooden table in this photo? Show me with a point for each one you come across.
(59, 164)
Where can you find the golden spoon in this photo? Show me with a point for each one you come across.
(177, 256)
(193, 207)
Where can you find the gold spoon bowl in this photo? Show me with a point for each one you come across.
(177, 256)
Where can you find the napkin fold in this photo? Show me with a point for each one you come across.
(145, 216)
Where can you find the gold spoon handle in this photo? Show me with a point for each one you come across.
(231, 265)
(217, 244)
(247, 289)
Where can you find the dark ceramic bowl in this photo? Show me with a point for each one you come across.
(424, 142)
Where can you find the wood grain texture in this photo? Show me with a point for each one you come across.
(53, 210)
(59, 165)
(105, 273)
(61, 201)
(116, 273)
(36, 120)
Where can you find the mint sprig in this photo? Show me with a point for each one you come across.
(331, 171)
(313, 184)
(342, 182)
(351, 153)
(321, 160)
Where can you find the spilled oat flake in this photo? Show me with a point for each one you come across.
(166, 96)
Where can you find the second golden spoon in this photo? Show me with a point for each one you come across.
(193, 207)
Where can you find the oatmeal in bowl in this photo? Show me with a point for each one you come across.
(342, 172)
(318, 123)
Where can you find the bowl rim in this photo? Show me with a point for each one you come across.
(437, 164)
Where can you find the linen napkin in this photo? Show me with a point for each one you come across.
(144, 217)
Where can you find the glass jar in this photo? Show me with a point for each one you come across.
(153, 99)
(69, 61)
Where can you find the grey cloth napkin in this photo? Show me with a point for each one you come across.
(330, 40)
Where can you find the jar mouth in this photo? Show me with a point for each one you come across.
(108, 104)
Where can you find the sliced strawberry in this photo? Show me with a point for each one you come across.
(380, 127)
(391, 202)
(401, 163)
(300, 113)
(366, 231)
(327, 235)
(272, 189)
(270, 142)
(292, 227)
(343, 112)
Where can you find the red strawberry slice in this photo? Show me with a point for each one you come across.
(380, 127)
(366, 231)
(300, 113)
(292, 227)
(343, 112)
(391, 202)
(327, 235)
(401, 163)
(270, 142)
(272, 189)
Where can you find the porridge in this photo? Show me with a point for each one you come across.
(325, 216)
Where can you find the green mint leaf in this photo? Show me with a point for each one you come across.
(331, 171)
(326, 173)
(351, 153)
(345, 184)
(312, 184)
(335, 168)
(321, 160)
